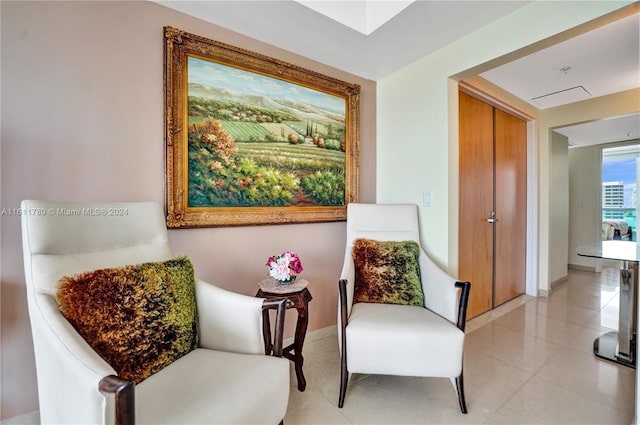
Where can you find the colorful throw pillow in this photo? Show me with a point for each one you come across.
(138, 318)
(387, 272)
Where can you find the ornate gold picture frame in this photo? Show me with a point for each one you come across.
(254, 140)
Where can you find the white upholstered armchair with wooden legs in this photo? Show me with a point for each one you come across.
(412, 336)
(225, 378)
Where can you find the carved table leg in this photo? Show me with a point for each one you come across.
(300, 301)
(301, 331)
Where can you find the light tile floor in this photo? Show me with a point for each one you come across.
(528, 362)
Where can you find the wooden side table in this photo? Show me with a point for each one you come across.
(298, 297)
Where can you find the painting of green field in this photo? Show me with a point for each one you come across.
(259, 141)
(248, 132)
(303, 158)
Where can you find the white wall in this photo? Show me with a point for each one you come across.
(585, 180)
(559, 208)
(416, 106)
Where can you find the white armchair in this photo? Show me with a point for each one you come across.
(393, 339)
(226, 379)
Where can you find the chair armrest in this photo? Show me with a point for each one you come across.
(229, 321)
(69, 370)
(348, 275)
(125, 396)
(462, 306)
(441, 293)
(280, 306)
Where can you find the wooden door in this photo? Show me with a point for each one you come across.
(510, 137)
(492, 164)
(475, 241)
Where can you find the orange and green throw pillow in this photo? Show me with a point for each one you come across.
(387, 272)
(138, 318)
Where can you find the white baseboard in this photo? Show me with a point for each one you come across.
(31, 418)
(582, 268)
(559, 281)
(314, 335)
(545, 293)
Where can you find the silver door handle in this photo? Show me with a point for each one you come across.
(492, 217)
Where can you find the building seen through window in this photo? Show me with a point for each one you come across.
(619, 192)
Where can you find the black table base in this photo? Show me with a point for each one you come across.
(606, 347)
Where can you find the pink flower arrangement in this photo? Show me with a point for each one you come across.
(284, 267)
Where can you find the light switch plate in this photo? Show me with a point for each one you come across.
(427, 199)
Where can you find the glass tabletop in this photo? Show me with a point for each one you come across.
(611, 250)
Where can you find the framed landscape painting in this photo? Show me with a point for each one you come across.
(254, 140)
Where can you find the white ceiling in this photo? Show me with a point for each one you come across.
(362, 16)
(618, 129)
(421, 28)
(602, 62)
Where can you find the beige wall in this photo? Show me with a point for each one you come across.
(82, 119)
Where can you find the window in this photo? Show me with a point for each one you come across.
(619, 192)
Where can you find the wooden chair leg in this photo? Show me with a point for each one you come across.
(460, 391)
(344, 380)
(344, 319)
